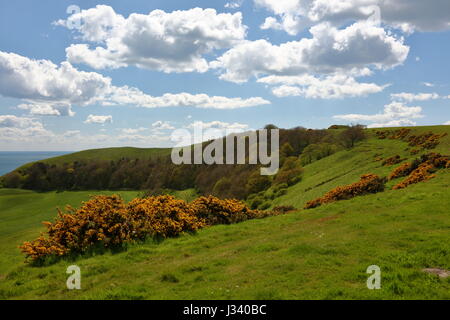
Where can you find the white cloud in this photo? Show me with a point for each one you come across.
(234, 4)
(133, 131)
(162, 125)
(218, 125)
(19, 129)
(72, 134)
(132, 96)
(394, 114)
(287, 91)
(349, 51)
(447, 123)
(212, 130)
(410, 97)
(49, 89)
(98, 119)
(21, 133)
(428, 84)
(331, 87)
(48, 109)
(169, 42)
(293, 16)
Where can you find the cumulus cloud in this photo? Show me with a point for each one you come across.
(49, 89)
(394, 114)
(218, 125)
(98, 119)
(133, 131)
(209, 131)
(331, 87)
(48, 109)
(19, 133)
(169, 42)
(330, 50)
(410, 97)
(72, 134)
(162, 125)
(13, 128)
(293, 16)
(234, 4)
(133, 96)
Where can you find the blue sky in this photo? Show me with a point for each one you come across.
(254, 62)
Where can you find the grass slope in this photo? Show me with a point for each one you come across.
(107, 154)
(321, 253)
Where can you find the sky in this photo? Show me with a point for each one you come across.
(85, 74)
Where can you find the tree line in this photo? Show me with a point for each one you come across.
(298, 147)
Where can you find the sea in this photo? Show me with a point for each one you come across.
(10, 160)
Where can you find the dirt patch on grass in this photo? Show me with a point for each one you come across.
(442, 273)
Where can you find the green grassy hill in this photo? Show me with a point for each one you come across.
(107, 154)
(321, 253)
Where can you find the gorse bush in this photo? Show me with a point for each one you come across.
(401, 171)
(369, 183)
(392, 160)
(103, 219)
(420, 170)
(421, 141)
(108, 222)
(162, 216)
(216, 211)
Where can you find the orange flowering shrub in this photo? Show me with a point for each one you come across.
(106, 220)
(369, 183)
(162, 216)
(103, 219)
(392, 160)
(422, 173)
(400, 134)
(423, 169)
(42, 247)
(402, 171)
(216, 211)
(421, 141)
(395, 134)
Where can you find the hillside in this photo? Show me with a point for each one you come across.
(106, 154)
(321, 253)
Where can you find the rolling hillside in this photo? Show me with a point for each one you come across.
(107, 154)
(321, 253)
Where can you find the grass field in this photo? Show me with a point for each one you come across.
(108, 154)
(321, 253)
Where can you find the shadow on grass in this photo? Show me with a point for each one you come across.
(97, 250)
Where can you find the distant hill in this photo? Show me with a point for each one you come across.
(107, 154)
